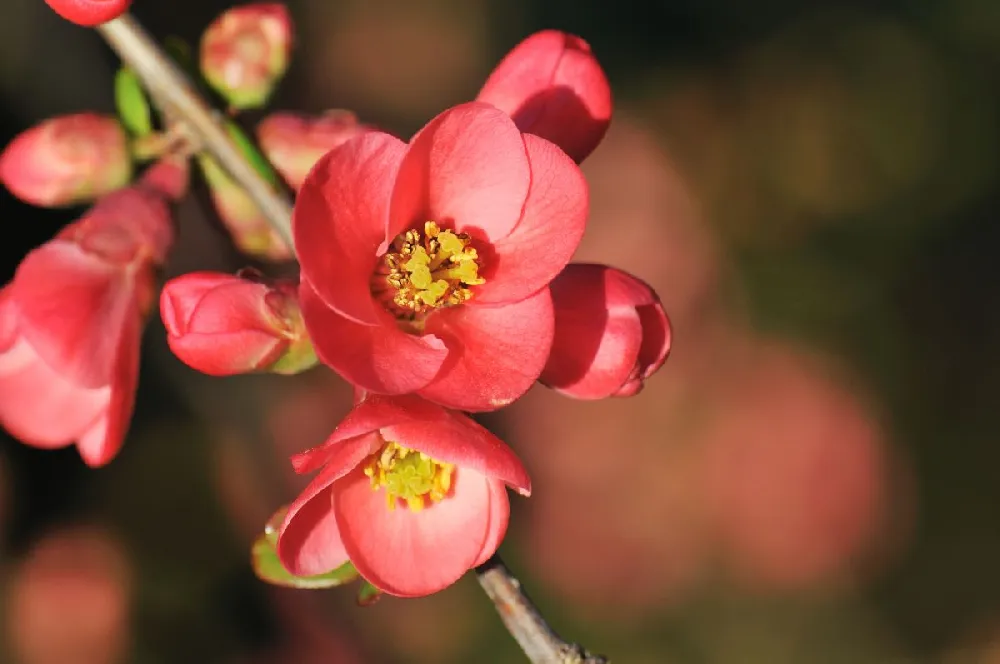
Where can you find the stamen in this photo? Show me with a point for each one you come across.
(408, 476)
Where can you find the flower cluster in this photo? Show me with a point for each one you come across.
(435, 276)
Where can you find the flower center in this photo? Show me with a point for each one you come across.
(409, 476)
(429, 270)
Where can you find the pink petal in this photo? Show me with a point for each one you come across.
(548, 233)
(229, 353)
(100, 445)
(456, 438)
(182, 295)
(498, 351)
(375, 412)
(72, 307)
(308, 539)
(499, 518)
(381, 358)
(411, 554)
(467, 169)
(340, 219)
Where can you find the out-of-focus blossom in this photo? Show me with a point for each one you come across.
(71, 322)
(552, 86)
(67, 160)
(245, 52)
(245, 222)
(294, 142)
(69, 601)
(223, 324)
(414, 495)
(795, 473)
(89, 12)
(611, 333)
(425, 267)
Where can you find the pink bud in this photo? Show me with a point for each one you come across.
(240, 215)
(223, 324)
(89, 12)
(245, 51)
(67, 160)
(611, 333)
(294, 143)
(553, 87)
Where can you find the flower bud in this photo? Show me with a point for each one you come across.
(294, 143)
(245, 51)
(553, 87)
(224, 324)
(89, 12)
(240, 215)
(611, 333)
(67, 160)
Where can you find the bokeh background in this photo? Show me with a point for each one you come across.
(814, 476)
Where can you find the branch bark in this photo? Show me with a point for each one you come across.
(170, 88)
(524, 621)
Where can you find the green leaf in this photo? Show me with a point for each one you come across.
(269, 568)
(253, 155)
(132, 104)
(367, 593)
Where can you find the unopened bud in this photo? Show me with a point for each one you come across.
(223, 324)
(89, 12)
(245, 52)
(294, 143)
(67, 160)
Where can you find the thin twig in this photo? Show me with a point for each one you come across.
(170, 87)
(523, 620)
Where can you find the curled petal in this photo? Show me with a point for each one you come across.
(411, 554)
(380, 358)
(497, 352)
(340, 219)
(467, 170)
(548, 233)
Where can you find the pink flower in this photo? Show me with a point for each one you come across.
(294, 143)
(611, 333)
(425, 267)
(89, 12)
(71, 321)
(553, 87)
(223, 324)
(67, 160)
(409, 492)
(245, 51)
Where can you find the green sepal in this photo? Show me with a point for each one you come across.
(268, 567)
(253, 155)
(368, 594)
(132, 103)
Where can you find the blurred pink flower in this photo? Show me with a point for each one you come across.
(295, 142)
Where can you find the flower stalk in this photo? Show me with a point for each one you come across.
(177, 98)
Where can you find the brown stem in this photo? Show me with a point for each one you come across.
(171, 89)
(523, 620)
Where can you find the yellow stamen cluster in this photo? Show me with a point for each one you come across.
(431, 269)
(409, 475)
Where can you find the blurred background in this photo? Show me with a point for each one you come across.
(812, 477)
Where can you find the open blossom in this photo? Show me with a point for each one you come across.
(553, 87)
(425, 267)
(611, 333)
(89, 12)
(294, 142)
(412, 494)
(245, 52)
(67, 160)
(71, 321)
(222, 324)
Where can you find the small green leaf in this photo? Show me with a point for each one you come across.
(253, 155)
(132, 104)
(269, 568)
(367, 593)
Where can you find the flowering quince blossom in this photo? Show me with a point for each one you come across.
(71, 321)
(67, 160)
(412, 494)
(89, 12)
(245, 51)
(223, 324)
(611, 333)
(294, 142)
(425, 267)
(552, 86)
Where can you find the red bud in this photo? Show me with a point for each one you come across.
(294, 143)
(89, 12)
